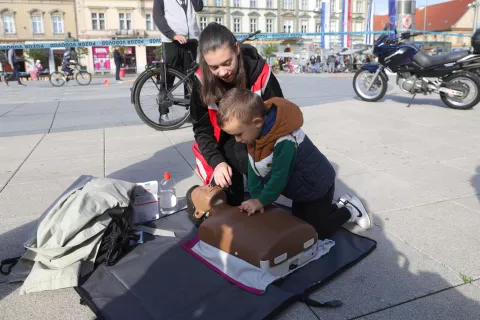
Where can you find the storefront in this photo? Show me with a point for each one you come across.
(101, 59)
(58, 58)
(151, 55)
(129, 61)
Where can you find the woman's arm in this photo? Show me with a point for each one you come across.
(203, 129)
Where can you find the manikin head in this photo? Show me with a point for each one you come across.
(201, 199)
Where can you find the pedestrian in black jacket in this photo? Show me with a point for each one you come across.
(224, 64)
(118, 63)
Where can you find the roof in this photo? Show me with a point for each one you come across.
(440, 16)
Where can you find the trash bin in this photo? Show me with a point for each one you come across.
(122, 72)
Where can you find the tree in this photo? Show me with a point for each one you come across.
(37, 54)
(159, 53)
(269, 50)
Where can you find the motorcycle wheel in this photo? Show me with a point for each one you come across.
(362, 79)
(466, 81)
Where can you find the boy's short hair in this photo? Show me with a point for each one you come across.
(241, 104)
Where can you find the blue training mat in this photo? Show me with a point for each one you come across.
(160, 280)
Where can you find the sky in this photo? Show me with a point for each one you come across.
(381, 6)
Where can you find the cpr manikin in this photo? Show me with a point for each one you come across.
(274, 241)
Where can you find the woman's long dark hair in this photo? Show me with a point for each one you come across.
(213, 37)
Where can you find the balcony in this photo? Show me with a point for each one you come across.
(117, 33)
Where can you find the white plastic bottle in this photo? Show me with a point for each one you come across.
(167, 197)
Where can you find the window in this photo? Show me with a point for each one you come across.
(125, 21)
(98, 21)
(203, 23)
(318, 4)
(253, 24)
(236, 3)
(304, 26)
(37, 24)
(237, 27)
(219, 20)
(288, 4)
(304, 4)
(359, 26)
(317, 27)
(57, 24)
(332, 6)
(358, 7)
(8, 24)
(253, 3)
(148, 21)
(269, 4)
(218, 3)
(150, 24)
(288, 26)
(269, 25)
(333, 26)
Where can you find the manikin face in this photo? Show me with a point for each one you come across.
(204, 197)
(223, 62)
(244, 132)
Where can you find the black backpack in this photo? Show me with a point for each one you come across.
(114, 245)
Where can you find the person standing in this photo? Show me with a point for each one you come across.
(73, 52)
(13, 61)
(177, 22)
(118, 63)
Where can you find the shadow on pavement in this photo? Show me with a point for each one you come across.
(419, 100)
(384, 279)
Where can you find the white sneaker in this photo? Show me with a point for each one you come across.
(164, 118)
(357, 209)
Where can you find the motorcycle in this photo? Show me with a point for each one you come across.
(417, 72)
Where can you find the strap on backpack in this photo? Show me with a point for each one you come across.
(9, 263)
(313, 303)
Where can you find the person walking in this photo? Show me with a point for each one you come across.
(13, 61)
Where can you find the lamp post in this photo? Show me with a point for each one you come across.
(319, 12)
(425, 18)
(474, 5)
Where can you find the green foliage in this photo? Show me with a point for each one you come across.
(159, 53)
(37, 54)
(82, 52)
(466, 279)
(269, 50)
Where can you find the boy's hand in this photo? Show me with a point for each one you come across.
(252, 206)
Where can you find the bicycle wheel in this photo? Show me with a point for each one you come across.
(57, 79)
(83, 78)
(151, 97)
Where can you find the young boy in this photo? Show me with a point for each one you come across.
(283, 160)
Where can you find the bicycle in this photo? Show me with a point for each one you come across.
(165, 99)
(58, 78)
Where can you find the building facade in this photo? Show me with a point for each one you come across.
(453, 17)
(285, 16)
(119, 19)
(33, 21)
(30, 21)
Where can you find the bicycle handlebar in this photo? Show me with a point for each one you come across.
(250, 35)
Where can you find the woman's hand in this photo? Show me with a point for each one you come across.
(180, 38)
(252, 206)
(223, 175)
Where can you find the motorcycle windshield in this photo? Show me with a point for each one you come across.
(381, 39)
